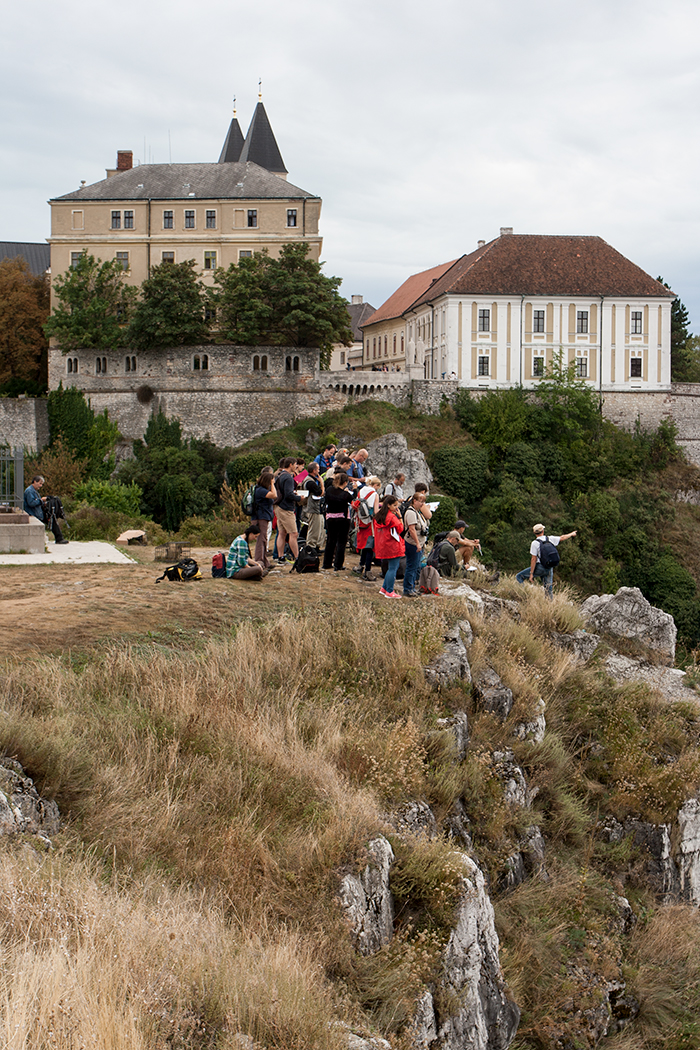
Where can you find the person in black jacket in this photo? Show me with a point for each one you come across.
(287, 500)
(338, 500)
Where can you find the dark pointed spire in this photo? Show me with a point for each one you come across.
(234, 140)
(260, 145)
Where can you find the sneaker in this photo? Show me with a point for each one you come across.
(358, 570)
(389, 594)
(61, 542)
(410, 594)
(369, 576)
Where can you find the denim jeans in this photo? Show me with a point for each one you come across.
(413, 560)
(540, 573)
(390, 577)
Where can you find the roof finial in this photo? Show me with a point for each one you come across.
(260, 90)
(234, 105)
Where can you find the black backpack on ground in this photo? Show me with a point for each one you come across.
(549, 555)
(434, 556)
(186, 569)
(308, 560)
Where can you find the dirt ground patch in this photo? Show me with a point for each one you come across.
(49, 608)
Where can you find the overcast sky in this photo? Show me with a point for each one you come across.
(423, 126)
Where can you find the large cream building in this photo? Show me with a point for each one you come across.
(499, 316)
(213, 213)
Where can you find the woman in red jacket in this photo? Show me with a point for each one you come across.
(388, 542)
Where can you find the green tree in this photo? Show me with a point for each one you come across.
(282, 302)
(94, 306)
(24, 308)
(87, 437)
(682, 357)
(171, 310)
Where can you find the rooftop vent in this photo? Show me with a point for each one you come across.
(505, 230)
(480, 244)
(357, 299)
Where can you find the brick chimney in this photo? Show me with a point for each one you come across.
(125, 160)
(356, 300)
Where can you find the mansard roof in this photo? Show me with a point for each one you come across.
(260, 145)
(412, 289)
(244, 181)
(231, 151)
(541, 265)
(36, 256)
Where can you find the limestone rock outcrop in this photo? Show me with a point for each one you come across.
(627, 614)
(492, 695)
(390, 455)
(452, 663)
(367, 900)
(22, 810)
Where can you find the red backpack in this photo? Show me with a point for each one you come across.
(218, 565)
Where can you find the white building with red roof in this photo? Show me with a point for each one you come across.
(501, 315)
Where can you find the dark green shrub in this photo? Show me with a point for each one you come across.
(110, 495)
(444, 517)
(461, 472)
(247, 468)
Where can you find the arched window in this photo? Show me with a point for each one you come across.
(196, 364)
(296, 364)
(263, 363)
(345, 389)
(385, 347)
(70, 365)
(130, 364)
(394, 348)
(402, 347)
(205, 361)
(288, 365)
(256, 363)
(100, 366)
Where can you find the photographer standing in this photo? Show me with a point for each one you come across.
(34, 505)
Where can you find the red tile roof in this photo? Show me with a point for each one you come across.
(406, 295)
(536, 264)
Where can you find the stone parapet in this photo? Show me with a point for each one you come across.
(25, 538)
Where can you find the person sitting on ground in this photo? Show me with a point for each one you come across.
(388, 542)
(466, 547)
(365, 532)
(536, 570)
(395, 487)
(264, 497)
(447, 558)
(287, 500)
(338, 500)
(315, 487)
(34, 505)
(239, 564)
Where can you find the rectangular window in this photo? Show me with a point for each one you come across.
(582, 322)
(342, 357)
(252, 217)
(189, 220)
(636, 322)
(484, 321)
(78, 220)
(483, 365)
(538, 321)
(211, 220)
(116, 220)
(291, 216)
(209, 313)
(210, 260)
(75, 259)
(581, 368)
(123, 258)
(538, 366)
(167, 220)
(168, 257)
(245, 254)
(128, 220)
(636, 368)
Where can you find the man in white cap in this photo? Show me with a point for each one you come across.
(543, 557)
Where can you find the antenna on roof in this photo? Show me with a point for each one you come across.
(234, 105)
(170, 149)
(260, 90)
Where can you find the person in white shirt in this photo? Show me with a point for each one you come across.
(536, 570)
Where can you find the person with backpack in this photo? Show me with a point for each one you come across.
(395, 487)
(264, 496)
(286, 503)
(239, 564)
(415, 534)
(315, 487)
(325, 459)
(544, 557)
(365, 505)
(447, 558)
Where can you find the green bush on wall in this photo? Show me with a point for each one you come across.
(247, 468)
(110, 495)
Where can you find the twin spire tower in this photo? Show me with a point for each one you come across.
(259, 145)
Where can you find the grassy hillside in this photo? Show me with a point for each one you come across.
(215, 791)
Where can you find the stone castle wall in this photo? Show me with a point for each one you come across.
(234, 394)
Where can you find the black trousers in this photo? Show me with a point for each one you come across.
(337, 530)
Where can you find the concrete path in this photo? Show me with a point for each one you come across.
(73, 553)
